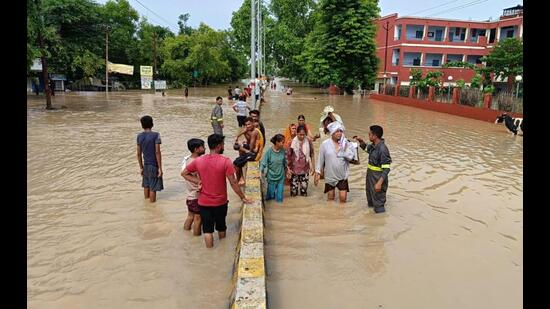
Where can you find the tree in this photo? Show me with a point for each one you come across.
(239, 35)
(341, 49)
(205, 51)
(506, 60)
(293, 21)
(182, 23)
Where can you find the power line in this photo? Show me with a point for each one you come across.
(459, 7)
(429, 9)
(167, 22)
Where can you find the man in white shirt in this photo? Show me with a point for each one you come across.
(242, 110)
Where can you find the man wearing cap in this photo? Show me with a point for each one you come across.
(335, 155)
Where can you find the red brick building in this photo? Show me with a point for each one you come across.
(427, 43)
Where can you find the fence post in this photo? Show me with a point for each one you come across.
(456, 95)
(487, 99)
(431, 92)
(397, 88)
(412, 92)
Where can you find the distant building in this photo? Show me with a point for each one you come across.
(428, 43)
(36, 72)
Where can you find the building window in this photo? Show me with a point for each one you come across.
(416, 62)
(510, 33)
(454, 58)
(419, 34)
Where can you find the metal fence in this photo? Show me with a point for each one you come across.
(507, 101)
(444, 94)
(404, 91)
(422, 93)
(471, 97)
(389, 89)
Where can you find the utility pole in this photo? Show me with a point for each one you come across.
(263, 46)
(43, 57)
(387, 28)
(253, 45)
(154, 59)
(107, 59)
(258, 38)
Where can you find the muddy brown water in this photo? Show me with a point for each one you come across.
(451, 238)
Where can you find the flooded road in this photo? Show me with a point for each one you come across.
(451, 238)
(92, 240)
(452, 235)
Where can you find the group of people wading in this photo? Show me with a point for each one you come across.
(290, 160)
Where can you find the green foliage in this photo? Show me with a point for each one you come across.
(460, 83)
(239, 35)
(489, 89)
(206, 51)
(416, 76)
(74, 37)
(182, 23)
(458, 64)
(341, 49)
(476, 81)
(432, 78)
(506, 59)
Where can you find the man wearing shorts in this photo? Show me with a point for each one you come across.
(213, 170)
(334, 156)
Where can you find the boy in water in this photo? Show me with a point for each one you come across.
(148, 145)
(196, 147)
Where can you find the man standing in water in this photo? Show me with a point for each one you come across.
(378, 168)
(334, 156)
(217, 117)
(213, 170)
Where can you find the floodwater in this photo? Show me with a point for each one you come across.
(92, 239)
(451, 238)
(452, 234)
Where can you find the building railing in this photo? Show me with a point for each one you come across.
(506, 101)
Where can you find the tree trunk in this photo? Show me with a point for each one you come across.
(47, 89)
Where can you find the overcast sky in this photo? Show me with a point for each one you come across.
(217, 13)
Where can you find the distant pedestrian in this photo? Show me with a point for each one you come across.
(230, 93)
(242, 109)
(237, 92)
(186, 92)
(52, 87)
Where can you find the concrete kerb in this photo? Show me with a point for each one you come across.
(249, 289)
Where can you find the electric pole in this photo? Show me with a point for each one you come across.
(387, 28)
(252, 45)
(43, 57)
(154, 59)
(107, 59)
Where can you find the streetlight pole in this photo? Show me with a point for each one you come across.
(252, 45)
(450, 78)
(107, 60)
